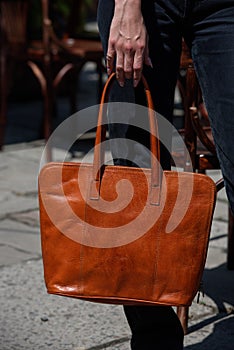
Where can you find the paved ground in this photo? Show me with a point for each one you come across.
(33, 320)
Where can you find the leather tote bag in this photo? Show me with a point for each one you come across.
(150, 248)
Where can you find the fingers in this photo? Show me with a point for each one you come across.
(109, 64)
(120, 68)
(128, 66)
(137, 67)
(127, 59)
(124, 66)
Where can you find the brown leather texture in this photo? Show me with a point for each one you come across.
(149, 247)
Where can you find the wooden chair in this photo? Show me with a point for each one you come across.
(71, 52)
(200, 144)
(13, 33)
(51, 59)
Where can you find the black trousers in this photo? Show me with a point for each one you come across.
(208, 28)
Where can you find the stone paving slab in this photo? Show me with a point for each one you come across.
(12, 255)
(24, 241)
(30, 218)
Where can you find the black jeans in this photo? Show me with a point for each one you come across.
(208, 29)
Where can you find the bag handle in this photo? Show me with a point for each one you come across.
(101, 135)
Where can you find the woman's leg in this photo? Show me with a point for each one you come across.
(213, 55)
(154, 327)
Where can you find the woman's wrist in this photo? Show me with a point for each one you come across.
(130, 2)
(125, 4)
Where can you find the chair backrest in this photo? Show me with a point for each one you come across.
(197, 131)
(74, 17)
(13, 25)
(64, 21)
(68, 20)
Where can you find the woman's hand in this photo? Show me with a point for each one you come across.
(128, 42)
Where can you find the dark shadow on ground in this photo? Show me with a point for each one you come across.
(222, 337)
(219, 286)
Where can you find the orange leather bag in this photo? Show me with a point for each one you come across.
(149, 247)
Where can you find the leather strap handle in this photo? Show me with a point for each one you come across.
(101, 135)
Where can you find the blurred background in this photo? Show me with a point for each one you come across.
(34, 54)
